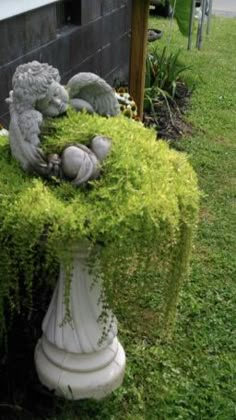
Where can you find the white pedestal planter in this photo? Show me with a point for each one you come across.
(82, 358)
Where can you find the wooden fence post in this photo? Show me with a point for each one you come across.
(139, 30)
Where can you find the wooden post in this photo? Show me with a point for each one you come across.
(139, 30)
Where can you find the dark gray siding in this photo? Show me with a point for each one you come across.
(100, 43)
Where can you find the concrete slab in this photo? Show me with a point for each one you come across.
(224, 8)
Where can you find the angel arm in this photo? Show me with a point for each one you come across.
(24, 141)
(30, 122)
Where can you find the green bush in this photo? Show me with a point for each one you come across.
(142, 211)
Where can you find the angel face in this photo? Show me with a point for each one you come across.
(55, 102)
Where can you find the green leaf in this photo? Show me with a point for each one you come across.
(182, 14)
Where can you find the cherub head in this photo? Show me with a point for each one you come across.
(37, 85)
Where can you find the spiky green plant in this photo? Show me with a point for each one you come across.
(163, 71)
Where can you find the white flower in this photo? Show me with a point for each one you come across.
(3, 132)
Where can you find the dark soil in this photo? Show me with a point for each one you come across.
(167, 115)
(22, 397)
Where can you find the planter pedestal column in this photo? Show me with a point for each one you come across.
(80, 358)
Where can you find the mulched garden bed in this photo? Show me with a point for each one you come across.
(168, 115)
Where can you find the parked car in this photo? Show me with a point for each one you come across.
(162, 7)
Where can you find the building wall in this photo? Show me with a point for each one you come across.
(97, 40)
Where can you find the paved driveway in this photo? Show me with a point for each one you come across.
(224, 8)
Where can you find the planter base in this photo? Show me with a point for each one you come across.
(78, 376)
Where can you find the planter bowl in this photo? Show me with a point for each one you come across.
(154, 34)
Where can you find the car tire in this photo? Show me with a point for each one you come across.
(167, 9)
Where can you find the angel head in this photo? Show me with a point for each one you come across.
(37, 85)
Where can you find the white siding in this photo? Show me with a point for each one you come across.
(9, 8)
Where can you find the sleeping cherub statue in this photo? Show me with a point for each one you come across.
(37, 93)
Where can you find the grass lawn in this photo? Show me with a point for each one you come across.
(194, 375)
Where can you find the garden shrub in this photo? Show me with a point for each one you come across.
(142, 212)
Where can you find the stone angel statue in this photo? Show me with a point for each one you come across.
(37, 93)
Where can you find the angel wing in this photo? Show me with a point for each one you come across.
(91, 89)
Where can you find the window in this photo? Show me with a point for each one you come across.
(68, 12)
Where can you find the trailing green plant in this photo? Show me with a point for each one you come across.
(163, 71)
(137, 211)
